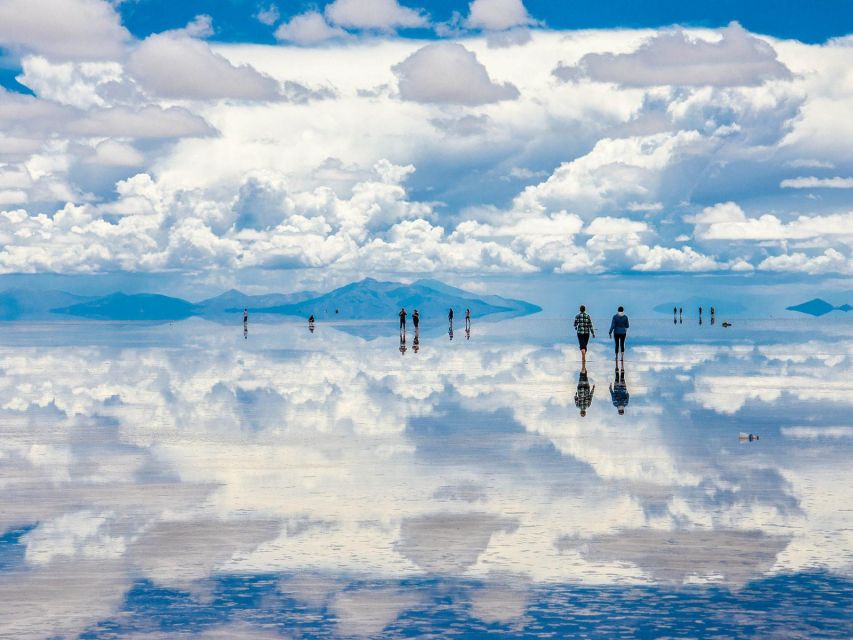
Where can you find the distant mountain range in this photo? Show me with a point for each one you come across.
(818, 307)
(367, 299)
(370, 299)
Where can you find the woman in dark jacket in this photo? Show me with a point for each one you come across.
(619, 331)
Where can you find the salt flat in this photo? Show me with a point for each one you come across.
(184, 480)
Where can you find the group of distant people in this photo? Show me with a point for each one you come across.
(416, 319)
(678, 315)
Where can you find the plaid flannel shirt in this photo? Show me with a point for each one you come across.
(583, 324)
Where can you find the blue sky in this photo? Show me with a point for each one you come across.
(809, 21)
(239, 143)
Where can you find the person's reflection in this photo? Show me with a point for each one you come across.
(619, 391)
(311, 323)
(468, 333)
(402, 344)
(245, 330)
(416, 343)
(583, 396)
(450, 328)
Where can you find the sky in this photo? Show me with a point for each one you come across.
(274, 145)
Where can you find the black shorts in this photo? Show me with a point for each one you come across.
(583, 340)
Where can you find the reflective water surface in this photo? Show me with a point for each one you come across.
(190, 481)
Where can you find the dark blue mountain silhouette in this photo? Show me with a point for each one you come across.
(19, 304)
(139, 306)
(818, 307)
(371, 299)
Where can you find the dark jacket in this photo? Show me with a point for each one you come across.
(619, 325)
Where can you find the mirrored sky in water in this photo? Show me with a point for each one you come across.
(183, 481)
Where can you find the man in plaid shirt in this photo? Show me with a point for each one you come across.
(583, 326)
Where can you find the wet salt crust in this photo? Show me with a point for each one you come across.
(182, 481)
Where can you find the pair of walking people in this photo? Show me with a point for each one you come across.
(416, 318)
(618, 331)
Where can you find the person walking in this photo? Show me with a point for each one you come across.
(402, 320)
(583, 327)
(450, 315)
(416, 319)
(619, 331)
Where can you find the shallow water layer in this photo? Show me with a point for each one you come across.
(190, 480)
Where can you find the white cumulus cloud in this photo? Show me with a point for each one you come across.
(446, 72)
(374, 14)
(737, 58)
(497, 15)
(308, 29)
(180, 67)
(63, 29)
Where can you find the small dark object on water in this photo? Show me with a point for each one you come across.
(747, 436)
(727, 324)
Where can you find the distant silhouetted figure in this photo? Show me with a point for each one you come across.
(583, 396)
(416, 319)
(245, 316)
(311, 323)
(619, 331)
(583, 327)
(680, 315)
(467, 319)
(450, 314)
(402, 320)
(713, 314)
(750, 437)
(619, 391)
